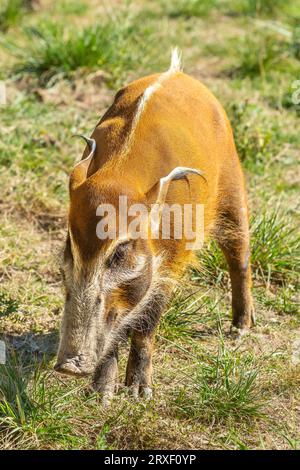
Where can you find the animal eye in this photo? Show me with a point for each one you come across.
(119, 254)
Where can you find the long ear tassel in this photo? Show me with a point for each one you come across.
(80, 170)
(164, 183)
(176, 174)
(92, 146)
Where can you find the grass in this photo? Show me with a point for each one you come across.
(212, 265)
(191, 316)
(29, 413)
(252, 8)
(222, 389)
(283, 300)
(275, 254)
(11, 12)
(188, 8)
(54, 50)
(267, 52)
(68, 7)
(37, 410)
(259, 7)
(7, 305)
(275, 247)
(253, 134)
(62, 68)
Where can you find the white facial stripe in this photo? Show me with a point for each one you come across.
(114, 245)
(137, 271)
(76, 254)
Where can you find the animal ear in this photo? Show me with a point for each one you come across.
(177, 174)
(80, 170)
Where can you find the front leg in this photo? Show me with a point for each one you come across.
(106, 376)
(139, 366)
(142, 320)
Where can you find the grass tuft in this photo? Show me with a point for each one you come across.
(189, 8)
(258, 7)
(273, 49)
(213, 268)
(11, 11)
(223, 388)
(275, 247)
(190, 316)
(254, 135)
(37, 411)
(8, 305)
(55, 51)
(275, 252)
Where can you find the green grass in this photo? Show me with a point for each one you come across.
(275, 254)
(7, 304)
(191, 316)
(189, 8)
(262, 54)
(213, 268)
(275, 247)
(56, 51)
(39, 412)
(223, 388)
(283, 300)
(295, 42)
(252, 8)
(68, 7)
(11, 12)
(253, 135)
(259, 7)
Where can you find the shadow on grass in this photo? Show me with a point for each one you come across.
(33, 347)
(37, 407)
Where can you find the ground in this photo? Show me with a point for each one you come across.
(62, 63)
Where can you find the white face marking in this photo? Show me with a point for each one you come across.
(76, 255)
(115, 243)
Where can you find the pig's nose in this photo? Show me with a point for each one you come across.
(73, 366)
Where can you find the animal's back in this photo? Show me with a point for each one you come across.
(180, 123)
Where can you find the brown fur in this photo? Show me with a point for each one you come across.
(182, 125)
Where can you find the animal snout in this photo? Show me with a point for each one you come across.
(76, 366)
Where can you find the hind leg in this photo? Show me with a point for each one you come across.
(234, 241)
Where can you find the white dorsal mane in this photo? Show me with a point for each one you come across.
(175, 67)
